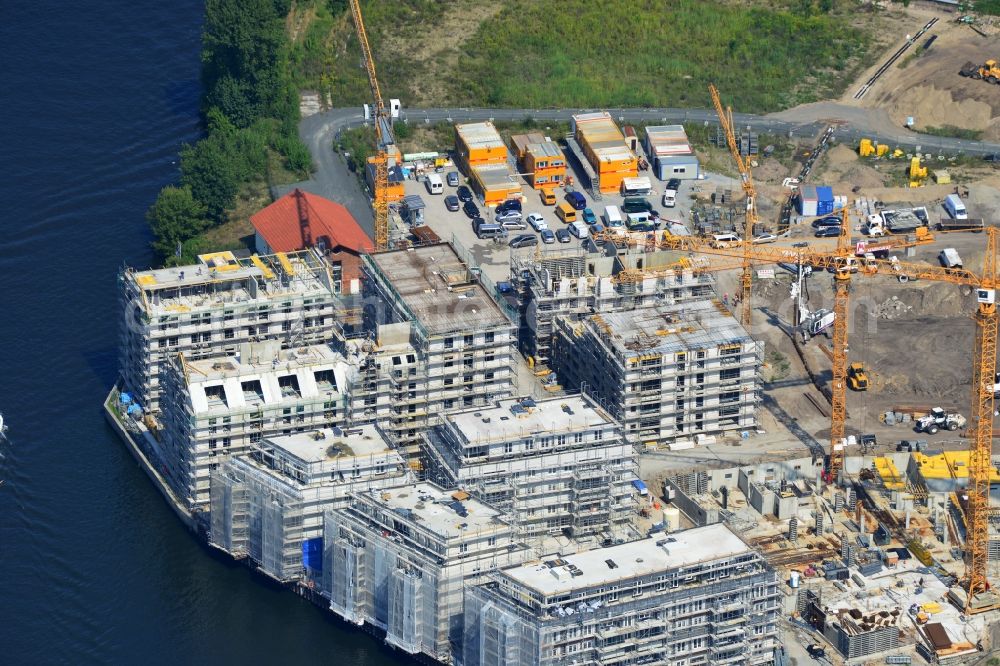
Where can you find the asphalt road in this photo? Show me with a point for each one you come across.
(333, 180)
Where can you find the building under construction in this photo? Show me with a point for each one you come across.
(557, 466)
(462, 343)
(672, 375)
(223, 406)
(268, 505)
(700, 596)
(573, 283)
(212, 307)
(402, 559)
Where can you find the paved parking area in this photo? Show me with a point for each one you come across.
(493, 256)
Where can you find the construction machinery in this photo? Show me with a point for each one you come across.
(918, 174)
(857, 378)
(746, 278)
(385, 141)
(989, 71)
(939, 419)
(975, 596)
(869, 148)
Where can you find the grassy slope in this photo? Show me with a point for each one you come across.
(544, 53)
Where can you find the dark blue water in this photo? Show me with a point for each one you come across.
(94, 568)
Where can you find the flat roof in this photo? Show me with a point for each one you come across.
(645, 557)
(668, 140)
(434, 285)
(480, 135)
(545, 149)
(221, 277)
(521, 142)
(664, 329)
(435, 507)
(494, 176)
(324, 444)
(516, 417)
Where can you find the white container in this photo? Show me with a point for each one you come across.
(794, 581)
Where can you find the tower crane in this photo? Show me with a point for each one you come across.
(985, 286)
(383, 135)
(746, 278)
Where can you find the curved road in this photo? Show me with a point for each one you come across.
(334, 181)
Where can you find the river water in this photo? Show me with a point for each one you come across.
(94, 568)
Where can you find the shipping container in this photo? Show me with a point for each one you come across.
(806, 201)
(605, 148)
(824, 200)
(683, 167)
(495, 183)
(665, 140)
(544, 164)
(477, 144)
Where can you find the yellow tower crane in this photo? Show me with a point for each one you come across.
(746, 278)
(383, 135)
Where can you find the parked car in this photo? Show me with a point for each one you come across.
(464, 193)
(828, 221)
(563, 236)
(510, 204)
(523, 240)
(536, 221)
(576, 200)
(453, 179)
(578, 229)
(674, 184)
(589, 217)
(636, 205)
(452, 203)
(512, 223)
(827, 232)
(471, 209)
(547, 236)
(765, 238)
(504, 215)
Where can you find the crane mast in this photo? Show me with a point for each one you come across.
(746, 278)
(383, 135)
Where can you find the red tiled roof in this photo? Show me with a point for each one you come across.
(279, 225)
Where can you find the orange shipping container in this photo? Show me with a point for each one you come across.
(605, 148)
(477, 144)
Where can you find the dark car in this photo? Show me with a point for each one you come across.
(636, 205)
(992, 157)
(576, 200)
(523, 240)
(674, 184)
(464, 193)
(563, 236)
(827, 232)
(828, 221)
(509, 205)
(471, 209)
(452, 203)
(547, 236)
(453, 178)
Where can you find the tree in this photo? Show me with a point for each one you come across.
(213, 173)
(174, 217)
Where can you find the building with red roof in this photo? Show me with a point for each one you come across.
(300, 220)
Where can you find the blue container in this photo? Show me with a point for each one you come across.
(824, 200)
(312, 554)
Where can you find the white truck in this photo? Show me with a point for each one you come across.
(955, 207)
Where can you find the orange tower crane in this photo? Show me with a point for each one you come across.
(980, 431)
(746, 278)
(383, 135)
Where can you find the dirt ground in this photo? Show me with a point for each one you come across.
(927, 86)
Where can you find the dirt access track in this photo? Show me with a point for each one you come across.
(926, 84)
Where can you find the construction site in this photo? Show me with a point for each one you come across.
(582, 414)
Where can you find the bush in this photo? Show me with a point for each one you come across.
(175, 216)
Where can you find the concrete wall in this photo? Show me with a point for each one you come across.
(696, 513)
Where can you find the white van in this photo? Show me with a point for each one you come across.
(953, 204)
(613, 216)
(949, 258)
(434, 184)
(579, 229)
(724, 240)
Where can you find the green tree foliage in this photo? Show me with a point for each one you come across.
(250, 109)
(175, 216)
